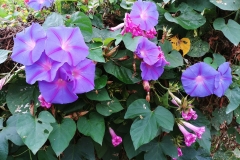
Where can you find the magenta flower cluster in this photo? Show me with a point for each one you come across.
(141, 22)
(200, 79)
(57, 60)
(39, 4)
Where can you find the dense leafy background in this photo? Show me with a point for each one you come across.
(80, 130)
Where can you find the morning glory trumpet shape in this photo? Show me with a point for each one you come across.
(29, 45)
(39, 4)
(66, 44)
(144, 14)
(44, 69)
(83, 75)
(58, 91)
(151, 72)
(147, 50)
(223, 79)
(198, 80)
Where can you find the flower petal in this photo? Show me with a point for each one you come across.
(223, 80)
(59, 90)
(44, 69)
(151, 72)
(199, 79)
(66, 44)
(28, 45)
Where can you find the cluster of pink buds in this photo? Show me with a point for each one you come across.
(116, 140)
(129, 27)
(186, 109)
(190, 138)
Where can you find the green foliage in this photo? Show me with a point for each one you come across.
(3, 55)
(93, 126)
(188, 19)
(20, 96)
(35, 131)
(60, 137)
(146, 126)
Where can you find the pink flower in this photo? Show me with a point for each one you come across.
(198, 130)
(129, 27)
(116, 140)
(179, 152)
(43, 102)
(190, 114)
(188, 137)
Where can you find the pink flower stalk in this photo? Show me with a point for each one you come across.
(146, 86)
(190, 114)
(43, 102)
(198, 130)
(116, 140)
(188, 137)
(179, 153)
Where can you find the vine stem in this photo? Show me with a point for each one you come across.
(20, 153)
(236, 16)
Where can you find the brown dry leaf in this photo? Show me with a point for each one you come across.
(181, 44)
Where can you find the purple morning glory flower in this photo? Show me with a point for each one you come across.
(44, 69)
(223, 79)
(189, 138)
(58, 91)
(116, 140)
(198, 80)
(144, 14)
(39, 4)
(66, 44)
(29, 44)
(151, 72)
(147, 50)
(83, 75)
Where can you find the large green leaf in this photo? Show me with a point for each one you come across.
(3, 55)
(104, 36)
(95, 52)
(234, 99)
(205, 141)
(188, 18)
(220, 117)
(109, 107)
(101, 95)
(199, 5)
(9, 133)
(175, 59)
(146, 126)
(61, 135)
(35, 131)
(230, 5)
(20, 96)
(122, 73)
(129, 42)
(53, 20)
(47, 154)
(84, 149)
(93, 127)
(82, 21)
(100, 82)
(198, 47)
(128, 146)
(168, 146)
(230, 30)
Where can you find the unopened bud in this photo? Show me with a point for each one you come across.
(146, 86)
